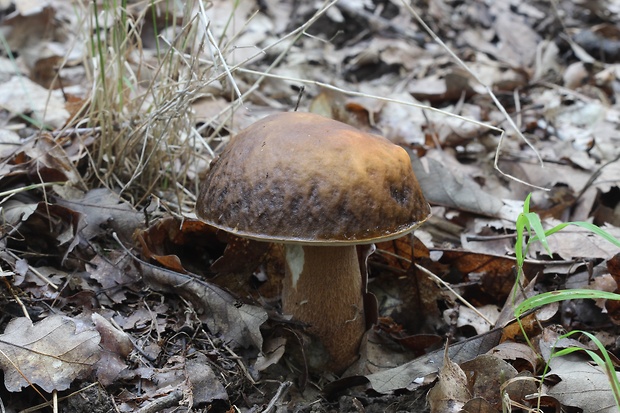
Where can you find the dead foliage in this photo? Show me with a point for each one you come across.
(115, 297)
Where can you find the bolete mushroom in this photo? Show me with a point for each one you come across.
(320, 187)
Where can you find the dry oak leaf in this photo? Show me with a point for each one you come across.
(49, 353)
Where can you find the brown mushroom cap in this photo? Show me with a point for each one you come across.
(300, 177)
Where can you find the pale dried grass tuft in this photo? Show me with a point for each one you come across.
(141, 101)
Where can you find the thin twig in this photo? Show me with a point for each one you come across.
(458, 296)
(493, 97)
(594, 176)
(47, 404)
(169, 400)
(15, 191)
(35, 271)
(239, 361)
(296, 34)
(284, 386)
(21, 305)
(213, 43)
(77, 131)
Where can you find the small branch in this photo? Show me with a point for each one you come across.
(170, 400)
(458, 296)
(284, 386)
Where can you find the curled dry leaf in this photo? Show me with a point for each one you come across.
(111, 337)
(452, 87)
(50, 353)
(451, 391)
(51, 162)
(180, 246)
(517, 354)
(50, 229)
(115, 345)
(520, 388)
(465, 316)
(485, 374)
(192, 246)
(272, 353)
(613, 306)
(103, 210)
(494, 273)
(406, 296)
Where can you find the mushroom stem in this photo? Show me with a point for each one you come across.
(323, 288)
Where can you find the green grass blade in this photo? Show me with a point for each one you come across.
(536, 225)
(562, 295)
(586, 225)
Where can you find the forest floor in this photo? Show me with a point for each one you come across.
(116, 298)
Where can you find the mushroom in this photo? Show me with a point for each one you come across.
(320, 187)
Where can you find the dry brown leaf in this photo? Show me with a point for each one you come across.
(50, 353)
(530, 323)
(111, 337)
(495, 273)
(411, 375)
(390, 345)
(239, 265)
(485, 374)
(576, 242)
(406, 296)
(9, 141)
(517, 353)
(204, 383)
(451, 391)
(115, 274)
(18, 209)
(479, 405)
(103, 210)
(335, 105)
(403, 125)
(452, 87)
(582, 384)
(115, 347)
(520, 388)
(468, 317)
(20, 96)
(50, 162)
(192, 377)
(236, 321)
(613, 306)
(273, 350)
(445, 187)
(181, 246)
(517, 41)
(50, 229)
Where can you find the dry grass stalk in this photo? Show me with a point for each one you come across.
(142, 103)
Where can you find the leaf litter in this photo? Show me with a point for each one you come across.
(103, 149)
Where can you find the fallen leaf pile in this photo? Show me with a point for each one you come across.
(115, 297)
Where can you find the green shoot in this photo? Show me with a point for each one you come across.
(530, 222)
